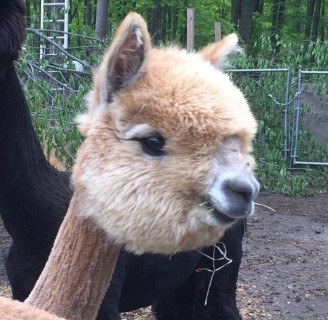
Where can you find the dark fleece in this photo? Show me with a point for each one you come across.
(12, 30)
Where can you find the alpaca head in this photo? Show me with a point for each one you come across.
(166, 164)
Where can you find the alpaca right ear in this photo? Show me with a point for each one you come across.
(216, 53)
(124, 61)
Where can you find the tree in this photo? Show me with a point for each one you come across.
(259, 6)
(278, 14)
(88, 12)
(102, 18)
(241, 16)
(235, 12)
(316, 20)
(246, 15)
(309, 17)
(298, 13)
(322, 20)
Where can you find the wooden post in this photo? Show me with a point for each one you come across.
(190, 30)
(217, 31)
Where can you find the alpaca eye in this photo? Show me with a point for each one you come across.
(153, 145)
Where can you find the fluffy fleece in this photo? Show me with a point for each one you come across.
(10, 42)
(14, 310)
(152, 202)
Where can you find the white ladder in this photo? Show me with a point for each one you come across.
(54, 16)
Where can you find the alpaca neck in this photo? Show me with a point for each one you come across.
(16, 123)
(77, 274)
(25, 174)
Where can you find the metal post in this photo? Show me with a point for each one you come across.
(297, 116)
(286, 131)
(217, 27)
(66, 24)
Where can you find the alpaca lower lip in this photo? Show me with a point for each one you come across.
(223, 218)
(220, 216)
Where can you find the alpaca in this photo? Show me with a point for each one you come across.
(165, 166)
(54, 194)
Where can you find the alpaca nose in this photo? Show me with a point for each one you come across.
(233, 194)
(240, 192)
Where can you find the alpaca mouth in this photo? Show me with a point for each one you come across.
(221, 217)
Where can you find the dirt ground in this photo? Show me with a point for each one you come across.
(284, 273)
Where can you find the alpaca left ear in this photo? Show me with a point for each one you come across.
(216, 53)
(124, 61)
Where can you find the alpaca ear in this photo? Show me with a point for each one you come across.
(125, 59)
(216, 53)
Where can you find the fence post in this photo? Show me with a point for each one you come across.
(190, 30)
(217, 27)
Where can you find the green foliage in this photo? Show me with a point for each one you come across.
(53, 114)
(206, 14)
(55, 93)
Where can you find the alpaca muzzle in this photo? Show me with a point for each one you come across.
(232, 196)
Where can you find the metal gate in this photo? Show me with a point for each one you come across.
(292, 103)
(317, 113)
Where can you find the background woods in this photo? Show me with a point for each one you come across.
(295, 20)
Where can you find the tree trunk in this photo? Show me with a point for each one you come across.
(102, 18)
(155, 21)
(28, 11)
(235, 13)
(246, 15)
(322, 21)
(88, 13)
(259, 6)
(297, 22)
(174, 27)
(309, 17)
(164, 24)
(278, 13)
(316, 20)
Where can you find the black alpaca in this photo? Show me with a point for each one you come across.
(34, 197)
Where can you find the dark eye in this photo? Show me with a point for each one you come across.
(153, 145)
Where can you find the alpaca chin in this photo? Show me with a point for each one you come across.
(149, 240)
